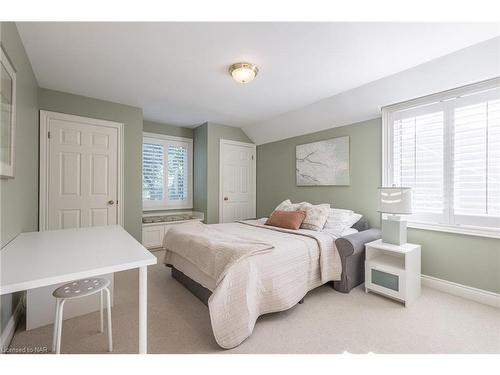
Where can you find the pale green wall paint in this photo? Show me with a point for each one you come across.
(467, 260)
(276, 172)
(19, 196)
(131, 117)
(206, 170)
(216, 132)
(159, 128)
(200, 157)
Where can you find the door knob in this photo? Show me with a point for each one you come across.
(111, 202)
(226, 198)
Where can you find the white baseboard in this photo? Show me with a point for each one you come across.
(464, 291)
(10, 328)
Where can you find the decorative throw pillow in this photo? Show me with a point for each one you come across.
(286, 219)
(315, 216)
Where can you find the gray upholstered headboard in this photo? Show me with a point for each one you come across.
(361, 225)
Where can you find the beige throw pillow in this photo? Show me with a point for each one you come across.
(315, 216)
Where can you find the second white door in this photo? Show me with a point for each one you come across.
(237, 181)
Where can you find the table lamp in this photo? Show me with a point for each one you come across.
(395, 201)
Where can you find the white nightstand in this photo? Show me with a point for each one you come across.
(393, 270)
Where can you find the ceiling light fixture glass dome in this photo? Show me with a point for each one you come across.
(243, 72)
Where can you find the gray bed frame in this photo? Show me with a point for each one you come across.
(351, 249)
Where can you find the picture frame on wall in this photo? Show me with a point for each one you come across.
(323, 163)
(7, 115)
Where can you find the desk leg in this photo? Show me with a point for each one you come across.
(143, 310)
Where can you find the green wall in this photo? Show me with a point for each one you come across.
(467, 260)
(276, 172)
(131, 117)
(206, 165)
(159, 128)
(19, 196)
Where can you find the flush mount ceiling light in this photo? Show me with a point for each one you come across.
(243, 72)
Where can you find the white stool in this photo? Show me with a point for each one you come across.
(78, 289)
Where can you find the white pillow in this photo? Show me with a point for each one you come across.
(282, 205)
(339, 219)
(288, 206)
(354, 219)
(338, 211)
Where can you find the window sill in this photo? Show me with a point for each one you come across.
(170, 208)
(464, 230)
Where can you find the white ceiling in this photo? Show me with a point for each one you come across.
(177, 72)
(469, 65)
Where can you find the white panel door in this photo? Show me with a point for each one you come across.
(79, 188)
(237, 181)
(82, 174)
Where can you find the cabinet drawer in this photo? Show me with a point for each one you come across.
(384, 279)
(152, 236)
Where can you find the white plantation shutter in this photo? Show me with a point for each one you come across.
(418, 142)
(152, 171)
(419, 159)
(448, 151)
(493, 186)
(167, 176)
(177, 173)
(477, 162)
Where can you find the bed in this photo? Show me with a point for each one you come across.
(268, 269)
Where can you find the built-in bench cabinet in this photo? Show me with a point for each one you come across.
(155, 226)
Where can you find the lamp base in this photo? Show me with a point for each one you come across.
(394, 231)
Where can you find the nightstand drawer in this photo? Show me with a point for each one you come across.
(384, 279)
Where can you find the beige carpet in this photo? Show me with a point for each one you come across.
(328, 322)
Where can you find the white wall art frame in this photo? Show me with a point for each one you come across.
(323, 163)
(8, 116)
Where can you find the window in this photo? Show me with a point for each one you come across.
(446, 147)
(166, 172)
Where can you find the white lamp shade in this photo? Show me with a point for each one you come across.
(395, 200)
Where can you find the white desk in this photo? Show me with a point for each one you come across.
(38, 259)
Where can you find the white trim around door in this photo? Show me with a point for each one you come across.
(45, 116)
(253, 147)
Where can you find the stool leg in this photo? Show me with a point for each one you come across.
(102, 314)
(56, 322)
(59, 326)
(110, 330)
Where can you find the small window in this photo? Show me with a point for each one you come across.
(166, 172)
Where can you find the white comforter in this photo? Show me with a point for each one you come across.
(267, 281)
